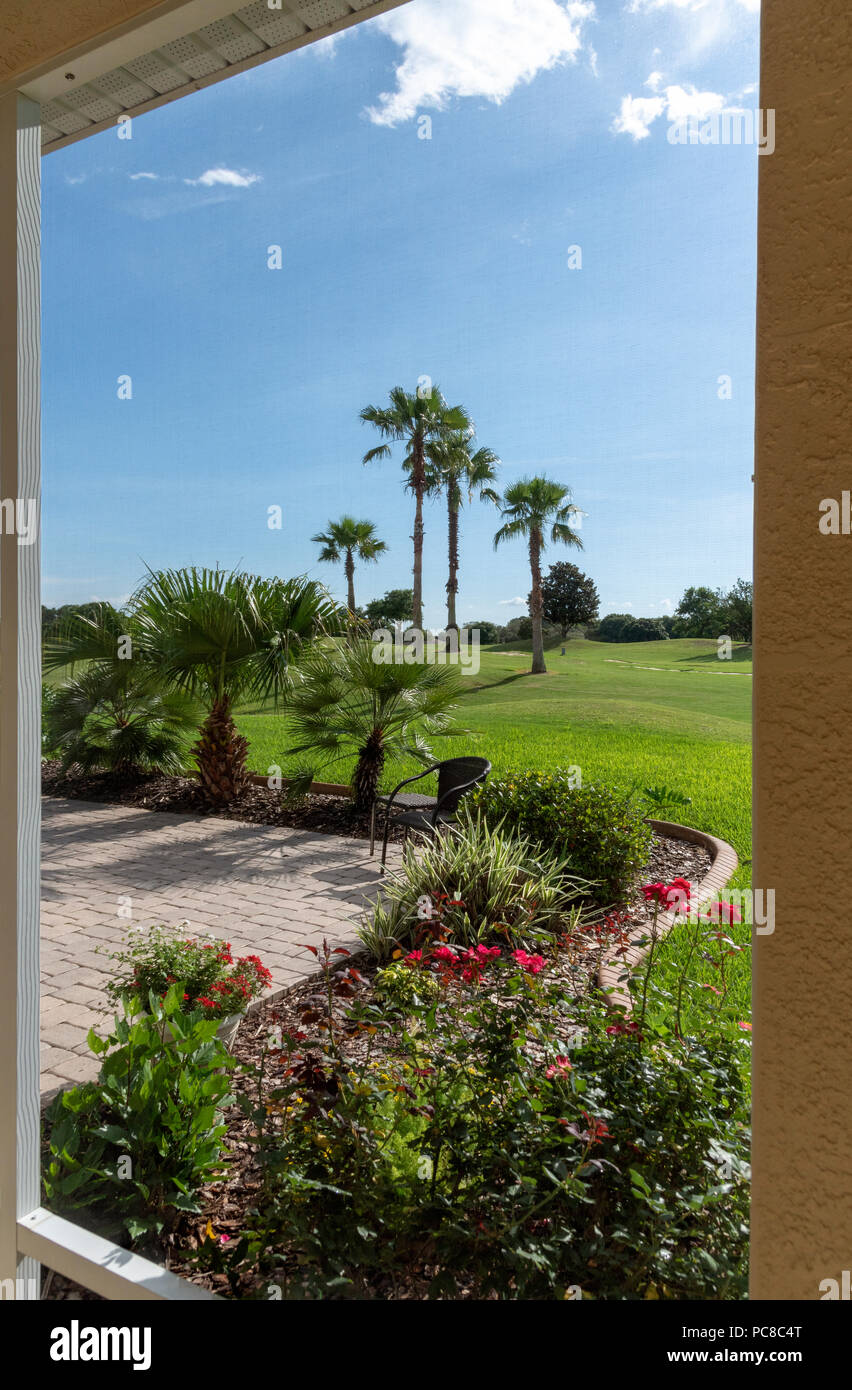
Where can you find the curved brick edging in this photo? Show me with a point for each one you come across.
(611, 971)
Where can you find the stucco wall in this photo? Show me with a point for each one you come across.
(32, 31)
(802, 1211)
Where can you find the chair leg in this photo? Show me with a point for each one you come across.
(385, 842)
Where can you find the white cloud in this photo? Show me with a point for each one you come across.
(511, 602)
(638, 114)
(144, 176)
(644, 6)
(73, 179)
(654, 81)
(229, 177)
(483, 48)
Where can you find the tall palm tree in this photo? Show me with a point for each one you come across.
(531, 507)
(455, 466)
(343, 540)
(224, 636)
(414, 418)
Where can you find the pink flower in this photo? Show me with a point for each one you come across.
(561, 1067)
(532, 964)
(746, 1027)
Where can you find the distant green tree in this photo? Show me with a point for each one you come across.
(569, 596)
(488, 632)
(394, 607)
(610, 628)
(700, 611)
(736, 611)
(643, 630)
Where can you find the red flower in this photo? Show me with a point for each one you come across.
(597, 1128)
(616, 1028)
(722, 912)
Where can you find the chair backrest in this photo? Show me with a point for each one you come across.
(459, 773)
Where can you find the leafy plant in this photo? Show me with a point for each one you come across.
(490, 884)
(598, 831)
(403, 989)
(666, 798)
(140, 1142)
(210, 980)
(349, 705)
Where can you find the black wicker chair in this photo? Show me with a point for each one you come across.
(427, 813)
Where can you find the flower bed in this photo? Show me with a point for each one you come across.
(461, 1125)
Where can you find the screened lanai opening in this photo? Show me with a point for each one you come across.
(421, 349)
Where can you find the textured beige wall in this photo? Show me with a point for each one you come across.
(802, 1208)
(32, 31)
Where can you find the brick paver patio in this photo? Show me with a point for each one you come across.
(265, 890)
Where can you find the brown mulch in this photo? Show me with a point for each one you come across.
(329, 815)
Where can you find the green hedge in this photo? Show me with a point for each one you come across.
(599, 830)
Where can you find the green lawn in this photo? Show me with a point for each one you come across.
(651, 713)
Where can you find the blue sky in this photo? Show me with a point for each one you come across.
(405, 257)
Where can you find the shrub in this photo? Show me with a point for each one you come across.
(114, 720)
(212, 981)
(599, 832)
(489, 884)
(140, 1142)
(404, 989)
(488, 1156)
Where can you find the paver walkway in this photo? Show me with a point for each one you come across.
(108, 868)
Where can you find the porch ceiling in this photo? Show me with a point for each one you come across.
(90, 94)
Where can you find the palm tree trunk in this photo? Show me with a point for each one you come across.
(350, 580)
(368, 770)
(221, 755)
(536, 605)
(418, 484)
(453, 581)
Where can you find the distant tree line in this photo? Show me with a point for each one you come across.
(702, 612)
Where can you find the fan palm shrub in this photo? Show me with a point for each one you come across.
(112, 712)
(223, 636)
(349, 705)
(414, 418)
(531, 508)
